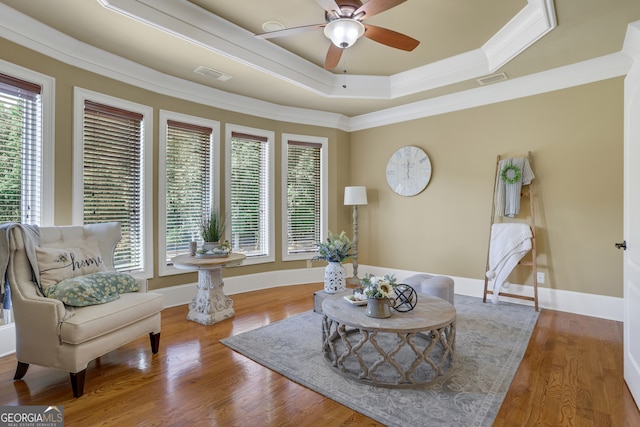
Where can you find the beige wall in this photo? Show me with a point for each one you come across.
(576, 136)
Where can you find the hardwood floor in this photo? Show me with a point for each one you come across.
(571, 375)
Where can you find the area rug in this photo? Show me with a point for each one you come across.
(490, 342)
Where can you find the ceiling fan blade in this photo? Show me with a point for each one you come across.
(290, 31)
(373, 7)
(390, 37)
(329, 5)
(333, 57)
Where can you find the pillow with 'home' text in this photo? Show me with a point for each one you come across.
(57, 264)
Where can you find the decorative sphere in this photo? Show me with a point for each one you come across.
(406, 298)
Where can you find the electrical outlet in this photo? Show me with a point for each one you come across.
(309, 263)
(540, 277)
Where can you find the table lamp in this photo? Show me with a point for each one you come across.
(355, 196)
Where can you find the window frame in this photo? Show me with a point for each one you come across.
(270, 197)
(324, 185)
(166, 269)
(80, 95)
(47, 173)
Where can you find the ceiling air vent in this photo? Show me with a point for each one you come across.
(487, 80)
(210, 72)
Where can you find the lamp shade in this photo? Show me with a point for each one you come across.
(344, 32)
(355, 195)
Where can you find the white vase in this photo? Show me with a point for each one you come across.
(335, 278)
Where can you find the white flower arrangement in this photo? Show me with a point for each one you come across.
(376, 287)
(336, 248)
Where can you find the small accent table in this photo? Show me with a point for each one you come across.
(402, 351)
(210, 304)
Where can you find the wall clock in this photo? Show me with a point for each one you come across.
(408, 171)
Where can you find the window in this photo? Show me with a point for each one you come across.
(113, 161)
(250, 192)
(188, 187)
(26, 167)
(305, 207)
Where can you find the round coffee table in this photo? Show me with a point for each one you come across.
(405, 350)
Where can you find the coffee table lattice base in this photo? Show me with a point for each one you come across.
(389, 359)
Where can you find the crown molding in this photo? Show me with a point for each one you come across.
(631, 45)
(601, 68)
(528, 26)
(192, 23)
(531, 24)
(52, 43)
(196, 25)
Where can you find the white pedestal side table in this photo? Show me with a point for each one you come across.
(210, 304)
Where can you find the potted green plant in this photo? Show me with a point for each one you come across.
(212, 229)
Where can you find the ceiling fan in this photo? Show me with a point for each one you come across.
(344, 27)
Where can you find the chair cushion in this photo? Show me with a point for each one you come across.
(96, 288)
(96, 320)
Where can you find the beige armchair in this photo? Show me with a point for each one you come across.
(52, 335)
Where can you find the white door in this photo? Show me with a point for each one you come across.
(632, 227)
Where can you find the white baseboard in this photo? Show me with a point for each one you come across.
(183, 294)
(601, 306)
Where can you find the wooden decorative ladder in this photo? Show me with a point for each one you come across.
(527, 191)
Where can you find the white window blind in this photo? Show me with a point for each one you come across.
(249, 194)
(304, 197)
(113, 176)
(188, 184)
(20, 150)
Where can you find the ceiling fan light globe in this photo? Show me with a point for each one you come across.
(344, 32)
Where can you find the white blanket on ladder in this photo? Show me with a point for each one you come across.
(509, 243)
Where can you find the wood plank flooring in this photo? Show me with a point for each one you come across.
(571, 375)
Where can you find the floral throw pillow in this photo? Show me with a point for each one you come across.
(57, 264)
(96, 288)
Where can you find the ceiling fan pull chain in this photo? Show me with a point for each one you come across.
(344, 73)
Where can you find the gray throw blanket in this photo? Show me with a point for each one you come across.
(31, 236)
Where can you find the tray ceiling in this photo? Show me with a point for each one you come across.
(461, 41)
